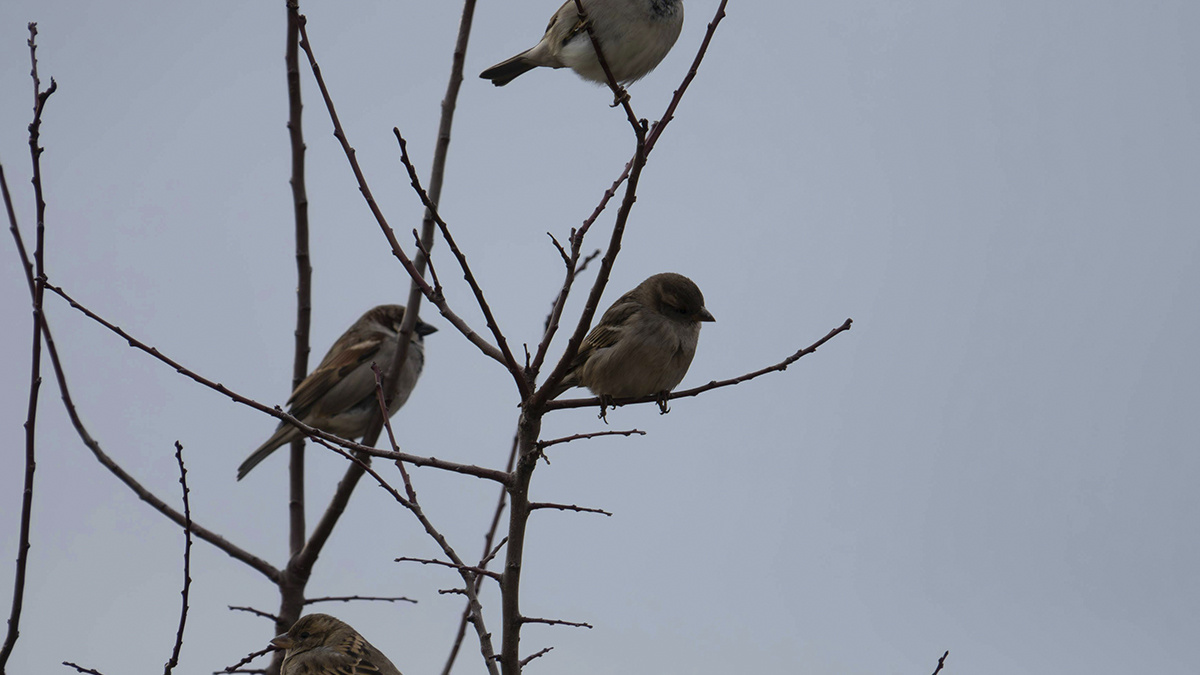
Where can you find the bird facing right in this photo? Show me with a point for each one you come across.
(634, 35)
(339, 395)
(644, 343)
(319, 644)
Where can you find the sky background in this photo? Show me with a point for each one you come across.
(999, 459)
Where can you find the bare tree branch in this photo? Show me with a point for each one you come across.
(416, 275)
(669, 114)
(296, 501)
(365, 598)
(81, 669)
(276, 412)
(236, 668)
(256, 612)
(559, 404)
(469, 576)
(556, 622)
(479, 571)
(145, 495)
(431, 209)
(187, 561)
(620, 96)
(533, 506)
(525, 661)
(595, 434)
(35, 360)
(941, 662)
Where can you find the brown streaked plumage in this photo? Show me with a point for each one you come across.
(319, 644)
(644, 343)
(339, 395)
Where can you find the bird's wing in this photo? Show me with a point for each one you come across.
(564, 14)
(341, 361)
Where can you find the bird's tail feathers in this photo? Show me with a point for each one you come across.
(277, 439)
(506, 71)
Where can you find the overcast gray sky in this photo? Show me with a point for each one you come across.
(1000, 459)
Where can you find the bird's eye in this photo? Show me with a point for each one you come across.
(304, 635)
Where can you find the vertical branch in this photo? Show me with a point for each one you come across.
(303, 270)
(528, 429)
(35, 370)
(436, 178)
(187, 560)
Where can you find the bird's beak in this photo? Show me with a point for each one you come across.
(283, 641)
(705, 315)
(424, 329)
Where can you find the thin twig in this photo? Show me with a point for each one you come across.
(525, 661)
(276, 412)
(461, 568)
(576, 437)
(559, 404)
(620, 95)
(187, 560)
(256, 612)
(411, 503)
(81, 669)
(941, 662)
(365, 598)
(669, 114)
(145, 495)
(437, 175)
(35, 359)
(235, 668)
(437, 283)
(555, 622)
(493, 325)
(489, 553)
(533, 506)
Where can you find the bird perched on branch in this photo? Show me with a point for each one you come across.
(634, 36)
(644, 343)
(319, 644)
(339, 396)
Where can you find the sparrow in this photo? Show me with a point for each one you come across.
(644, 343)
(339, 396)
(319, 644)
(634, 35)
